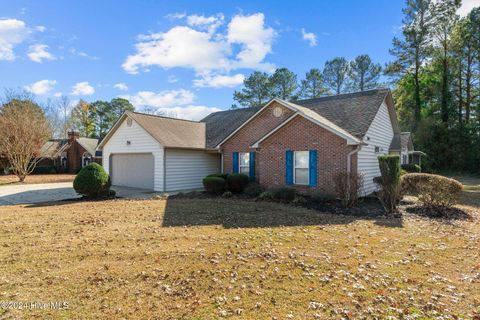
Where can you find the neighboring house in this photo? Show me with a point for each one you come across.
(71, 154)
(402, 145)
(301, 144)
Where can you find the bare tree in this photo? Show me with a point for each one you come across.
(24, 129)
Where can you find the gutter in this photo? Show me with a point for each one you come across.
(349, 157)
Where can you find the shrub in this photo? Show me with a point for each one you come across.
(411, 168)
(432, 190)
(92, 181)
(389, 194)
(253, 190)
(214, 185)
(219, 175)
(265, 196)
(237, 182)
(403, 172)
(299, 201)
(347, 187)
(321, 197)
(44, 170)
(284, 194)
(227, 194)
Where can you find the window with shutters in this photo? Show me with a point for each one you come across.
(244, 163)
(301, 161)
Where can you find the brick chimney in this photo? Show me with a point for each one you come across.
(73, 135)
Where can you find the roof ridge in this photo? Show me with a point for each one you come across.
(164, 117)
(341, 94)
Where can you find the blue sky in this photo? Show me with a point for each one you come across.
(183, 58)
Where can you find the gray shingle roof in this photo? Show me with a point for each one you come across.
(221, 124)
(353, 112)
(90, 144)
(53, 148)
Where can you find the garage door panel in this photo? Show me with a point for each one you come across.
(134, 170)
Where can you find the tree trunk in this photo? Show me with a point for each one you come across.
(460, 95)
(417, 114)
(468, 84)
(444, 101)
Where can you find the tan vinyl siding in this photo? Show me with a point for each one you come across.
(380, 133)
(140, 142)
(185, 169)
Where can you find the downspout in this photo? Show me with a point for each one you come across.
(221, 162)
(349, 157)
(164, 170)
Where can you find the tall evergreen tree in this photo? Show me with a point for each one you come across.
(283, 83)
(312, 86)
(335, 74)
(411, 51)
(257, 90)
(363, 73)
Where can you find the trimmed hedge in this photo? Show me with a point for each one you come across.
(237, 182)
(390, 182)
(432, 190)
(214, 185)
(92, 181)
(253, 190)
(412, 168)
(44, 170)
(219, 175)
(284, 194)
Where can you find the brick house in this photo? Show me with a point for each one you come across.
(70, 154)
(301, 144)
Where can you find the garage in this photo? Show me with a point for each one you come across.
(132, 170)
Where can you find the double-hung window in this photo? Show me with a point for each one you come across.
(301, 169)
(244, 163)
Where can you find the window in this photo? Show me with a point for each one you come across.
(244, 163)
(301, 167)
(377, 149)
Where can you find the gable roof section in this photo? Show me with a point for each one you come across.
(351, 112)
(169, 132)
(53, 148)
(223, 123)
(402, 141)
(89, 144)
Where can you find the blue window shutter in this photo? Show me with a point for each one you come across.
(312, 165)
(289, 167)
(235, 162)
(252, 166)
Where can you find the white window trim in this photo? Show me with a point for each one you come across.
(295, 167)
(240, 162)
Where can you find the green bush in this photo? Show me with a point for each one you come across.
(265, 196)
(227, 194)
(237, 182)
(219, 175)
(411, 168)
(214, 185)
(432, 190)
(390, 183)
(92, 181)
(299, 201)
(321, 197)
(253, 190)
(44, 170)
(284, 194)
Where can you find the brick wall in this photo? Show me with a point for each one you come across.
(251, 133)
(299, 134)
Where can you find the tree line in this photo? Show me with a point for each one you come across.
(338, 76)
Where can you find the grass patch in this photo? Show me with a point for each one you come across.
(37, 178)
(216, 258)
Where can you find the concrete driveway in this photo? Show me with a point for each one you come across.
(48, 192)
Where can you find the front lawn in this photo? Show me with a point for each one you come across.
(239, 259)
(37, 178)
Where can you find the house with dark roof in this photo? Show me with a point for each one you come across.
(70, 154)
(301, 144)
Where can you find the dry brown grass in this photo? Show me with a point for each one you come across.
(37, 178)
(208, 259)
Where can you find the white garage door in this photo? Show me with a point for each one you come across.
(134, 170)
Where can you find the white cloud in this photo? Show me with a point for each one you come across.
(121, 86)
(204, 51)
(255, 40)
(189, 113)
(12, 33)
(310, 37)
(219, 81)
(467, 6)
(172, 79)
(41, 28)
(38, 53)
(82, 89)
(162, 99)
(57, 94)
(41, 87)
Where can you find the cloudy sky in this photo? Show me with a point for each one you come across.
(181, 57)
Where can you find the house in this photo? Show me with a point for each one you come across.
(402, 145)
(70, 154)
(302, 144)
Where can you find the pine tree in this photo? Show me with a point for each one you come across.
(257, 90)
(312, 86)
(363, 73)
(335, 74)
